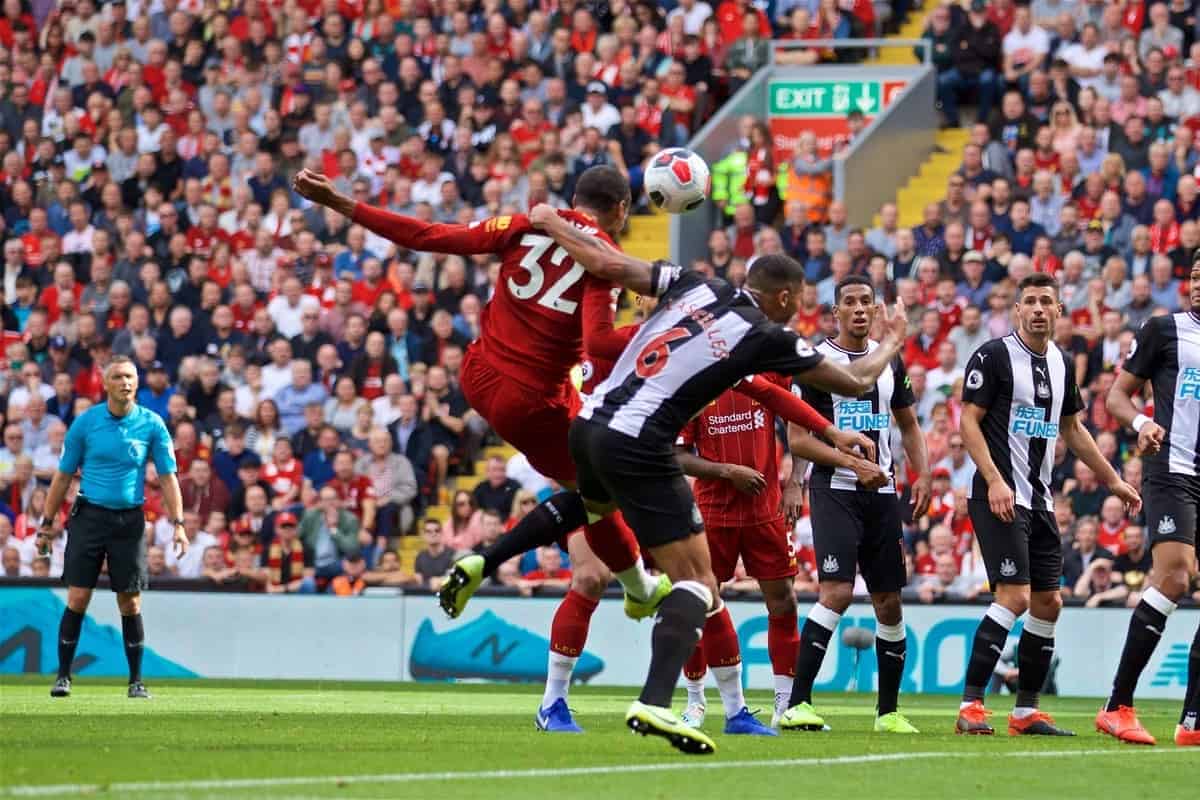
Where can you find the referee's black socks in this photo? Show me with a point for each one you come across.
(677, 629)
(68, 638)
(134, 635)
(546, 524)
(986, 650)
(1145, 629)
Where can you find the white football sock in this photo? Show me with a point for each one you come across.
(639, 583)
(1021, 712)
(729, 684)
(783, 692)
(695, 691)
(558, 678)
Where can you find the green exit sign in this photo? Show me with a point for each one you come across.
(825, 98)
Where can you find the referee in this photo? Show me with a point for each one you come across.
(1167, 355)
(110, 444)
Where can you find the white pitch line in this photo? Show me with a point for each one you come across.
(683, 765)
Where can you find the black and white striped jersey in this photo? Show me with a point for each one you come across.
(870, 414)
(1166, 352)
(703, 338)
(1026, 395)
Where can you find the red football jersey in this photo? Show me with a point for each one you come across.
(736, 430)
(353, 492)
(283, 478)
(532, 328)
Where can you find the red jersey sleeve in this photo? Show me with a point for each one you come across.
(600, 338)
(782, 402)
(687, 436)
(487, 236)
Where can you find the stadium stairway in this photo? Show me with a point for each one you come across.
(929, 184)
(912, 28)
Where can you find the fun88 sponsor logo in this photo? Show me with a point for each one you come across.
(1189, 384)
(857, 415)
(1031, 421)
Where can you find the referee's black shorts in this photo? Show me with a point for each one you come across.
(647, 486)
(95, 533)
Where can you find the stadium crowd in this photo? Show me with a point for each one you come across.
(307, 368)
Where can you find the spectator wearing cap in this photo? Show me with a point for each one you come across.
(976, 64)
(598, 113)
(156, 390)
(974, 288)
(289, 565)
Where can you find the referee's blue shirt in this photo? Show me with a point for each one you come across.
(112, 452)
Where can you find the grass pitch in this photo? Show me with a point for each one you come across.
(276, 740)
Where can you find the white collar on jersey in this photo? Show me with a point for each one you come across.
(746, 293)
(833, 343)
(1016, 336)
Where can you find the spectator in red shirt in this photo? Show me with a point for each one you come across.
(284, 473)
(356, 492)
(550, 572)
(923, 346)
(203, 492)
(1111, 533)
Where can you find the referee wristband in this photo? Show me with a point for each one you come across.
(1139, 422)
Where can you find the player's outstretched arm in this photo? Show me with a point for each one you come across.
(408, 232)
(804, 445)
(594, 254)
(1120, 404)
(913, 440)
(1081, 443)
(744, 479)
(793, 409)
(1001, 499)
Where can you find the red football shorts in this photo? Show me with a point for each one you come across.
(766, 550)
(536, 424)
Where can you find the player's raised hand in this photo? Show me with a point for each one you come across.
(869, 474)
(851, 443)
(1128, 495)
(1150, 438)
(542, 215)
(1002, 501)
(895, 323)
(922, 492)
(314, 186)
(745, 479)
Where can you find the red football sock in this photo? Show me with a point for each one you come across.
(613, 542)
(696, 666)
(568, 632)
(720, 640)
(783, 643)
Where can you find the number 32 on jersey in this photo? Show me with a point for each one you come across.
(539, 249)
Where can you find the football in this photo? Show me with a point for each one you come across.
(677, 180)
